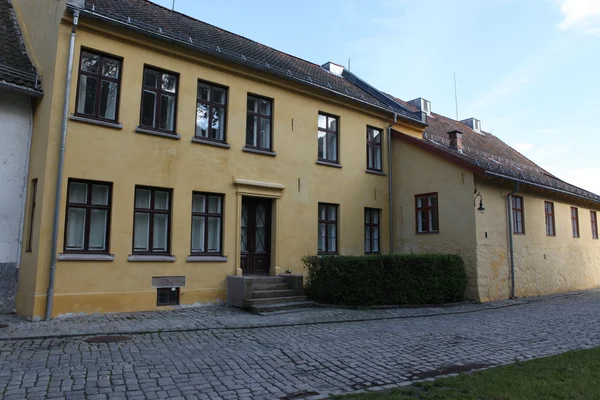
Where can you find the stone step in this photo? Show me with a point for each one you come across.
(270, 286)
(274, 300)
(263, 294)
(266, 308)
(266, 280)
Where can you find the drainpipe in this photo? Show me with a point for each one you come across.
(59, 174)
(390, 185)
(511, 250)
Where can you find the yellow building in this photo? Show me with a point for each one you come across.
(184, 154)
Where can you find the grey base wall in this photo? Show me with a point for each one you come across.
(8, 287)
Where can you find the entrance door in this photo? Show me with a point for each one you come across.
(256, 236)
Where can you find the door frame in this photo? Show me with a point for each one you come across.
(251, 255)
(267, 190)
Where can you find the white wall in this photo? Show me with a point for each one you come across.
(15, 128)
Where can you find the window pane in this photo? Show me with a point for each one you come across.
(265, 133)
(370, 163)
(322, 121)
(219, 95)
(214, 235)
(100, 195)
(151, 78)
(87, 95)
(218, 123)
(421, 227)
(322, 212)
(331, 237)
(265, 107)
(148, 109)
(76, 229)
(375, 214)
(367, 216)
(89, 62)
(332, 147)
(111, 68)
(98, 222)
(198, 234)
(332, 123)
(167, 112)
(433, 201)
(252, 104)
(169, 83)
(377, 152)
(141, 232)
(367, 243)
(331, 213)
(202, 120)
(159, 242)
(198, 203)
(322, 145)
(375, 248)
(203, 92)
(376, 135)
(214, 205)
(108, 100)
(78, 193)
(321, 237)
(251, 128)
(161, 200)
(142, 198)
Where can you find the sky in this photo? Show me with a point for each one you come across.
(528, 69)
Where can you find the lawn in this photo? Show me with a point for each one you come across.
(573, 375)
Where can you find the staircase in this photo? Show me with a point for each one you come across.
(268, 294)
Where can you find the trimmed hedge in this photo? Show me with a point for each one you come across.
(386, 279)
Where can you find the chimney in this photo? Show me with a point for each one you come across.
(422, 104)
(472, 123)
(333, 68)
(456, 140)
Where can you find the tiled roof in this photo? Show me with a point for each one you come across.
(161, 22)
(16, 68)
(491, 155)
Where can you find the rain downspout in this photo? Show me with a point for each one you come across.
(511, 250)
(390, 185)
(59, 174)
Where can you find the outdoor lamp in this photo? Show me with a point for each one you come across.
(480, 209)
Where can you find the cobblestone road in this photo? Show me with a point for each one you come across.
(274, 362)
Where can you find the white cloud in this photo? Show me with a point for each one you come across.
(585, 178)
(522, 147)
(582, 15)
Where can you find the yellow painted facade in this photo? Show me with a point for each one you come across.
(292, 179)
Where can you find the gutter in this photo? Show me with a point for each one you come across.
(511, 249)
(145, 32)
(390, 182)
(59, 174)
(20, 89)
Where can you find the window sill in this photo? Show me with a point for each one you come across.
(207, 258)
(427, 233)
(519, 233)
(157, 133)
(85, 257)
(324, 253)
(258, 151)
(374, 172)
(211, 143)
(329, 164)
(150, 258)
(78, 118)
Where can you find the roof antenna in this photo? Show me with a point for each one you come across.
(455, 95)
(348, 64)
(173, 8)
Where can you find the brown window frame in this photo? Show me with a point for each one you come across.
(594, 222)
(372, 148)
(575, 223)
(34, 182)
(88, 206)
(99, 78)
(328, 222)
(518, 211)
(151, 211)
(370, 225)
(169, 302)
(549, 216)
(158, 91)
(211, 104)
(206, 215)
(260, 116)
(328, 132)
(426, 209)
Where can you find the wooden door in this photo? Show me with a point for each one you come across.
(256, 236)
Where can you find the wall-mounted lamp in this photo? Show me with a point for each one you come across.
(480, 208)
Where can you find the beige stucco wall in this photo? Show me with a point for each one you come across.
(127, 159)
(543, 264)
(417, 171)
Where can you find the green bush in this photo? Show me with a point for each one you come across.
(386, 279)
